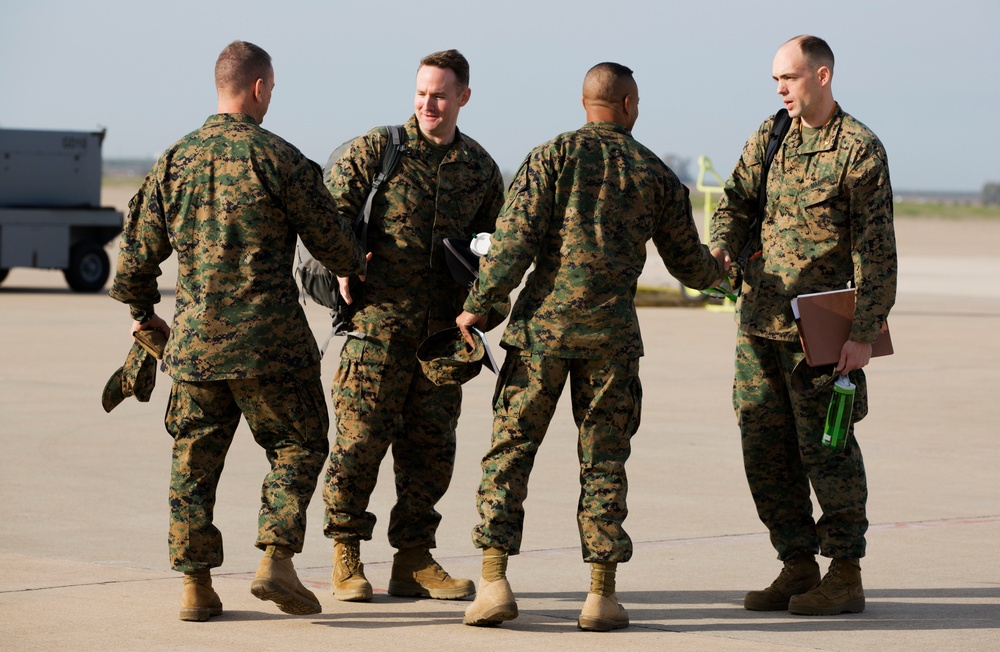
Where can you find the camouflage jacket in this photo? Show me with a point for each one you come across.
(230, 199)
(434, 193)
(581, 209)
(828, 221)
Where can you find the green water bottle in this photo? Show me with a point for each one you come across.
(838, 415)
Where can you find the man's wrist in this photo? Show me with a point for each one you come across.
(142, 316)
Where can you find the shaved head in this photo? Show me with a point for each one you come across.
(610, 94)
(608, 83)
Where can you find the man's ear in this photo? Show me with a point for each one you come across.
(258, 89)
(629, 105)
(824, 75)
(463, 98)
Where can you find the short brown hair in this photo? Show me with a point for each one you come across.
(240, 65)
(452, 60)
(816, 51)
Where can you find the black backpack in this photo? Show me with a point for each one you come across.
(752, 248)
(318, 282)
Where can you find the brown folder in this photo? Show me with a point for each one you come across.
(824, 321)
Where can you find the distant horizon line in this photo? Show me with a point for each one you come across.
(138, 167)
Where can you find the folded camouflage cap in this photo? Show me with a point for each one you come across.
(446, 358)
(153, 340)
(134, 378)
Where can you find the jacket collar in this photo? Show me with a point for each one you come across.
(826, 139)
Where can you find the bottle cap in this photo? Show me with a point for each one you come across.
(844, 382)
(480, 244)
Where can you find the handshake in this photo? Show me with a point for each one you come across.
(723, 288)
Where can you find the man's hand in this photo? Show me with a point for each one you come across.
(853, 356)
(344, 283)
(345, 288)
(465, 322)
(154, 322)
(725, 262)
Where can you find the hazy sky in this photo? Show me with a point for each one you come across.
(923, 75)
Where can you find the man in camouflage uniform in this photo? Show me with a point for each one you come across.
(445, 185)
(581, 209)
(230, 199)
(827, 222)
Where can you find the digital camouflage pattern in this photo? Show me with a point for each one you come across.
(230, 199)
(607, 402)
(581, 209)
(828, 221)
(782, 452)
(136, 377)
(381, 398)
(434, 193)
(287, 414)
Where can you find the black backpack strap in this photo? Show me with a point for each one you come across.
(779, 128)
(390, 158)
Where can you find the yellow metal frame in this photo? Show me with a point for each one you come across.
(704, 169)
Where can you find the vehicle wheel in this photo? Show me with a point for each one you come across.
(89, 267)
(3, 274)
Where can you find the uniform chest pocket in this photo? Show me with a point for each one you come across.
(824, 211)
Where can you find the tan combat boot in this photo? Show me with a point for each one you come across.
(276, 581)
(601, 612)
(415, 573)
(798, 575)
(839, 592)
(199, 601)
(495, 600)
(349, 581)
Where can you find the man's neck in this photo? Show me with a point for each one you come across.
(236, 105)
(821, 116)
(603, 114)
(437, 141)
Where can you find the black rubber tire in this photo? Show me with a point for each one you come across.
(3, 274)
(89, 267)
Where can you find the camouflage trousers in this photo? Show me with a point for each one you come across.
(781, 406)
(288, 417)
(606, 398)
(382, 399)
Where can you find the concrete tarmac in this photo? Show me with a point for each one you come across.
(83, 555)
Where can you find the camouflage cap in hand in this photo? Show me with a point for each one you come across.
(446, 358)
(134, 378)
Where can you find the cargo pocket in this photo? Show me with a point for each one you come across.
(511, 385)
(356, 383)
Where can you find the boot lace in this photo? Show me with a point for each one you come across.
(434, 569)
(351, 556)
(832, 577)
